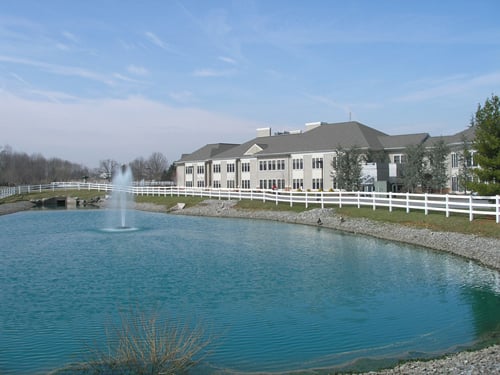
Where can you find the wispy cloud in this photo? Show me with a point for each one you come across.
(155, 39)
(59, 69)
(137, 70)
(227, 60)
(213, 73)
(70, 36)
(123, 78)
(456, 85)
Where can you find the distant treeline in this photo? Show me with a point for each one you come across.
(19, 168)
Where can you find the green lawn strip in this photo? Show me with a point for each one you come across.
(482, 226)
(82, 194)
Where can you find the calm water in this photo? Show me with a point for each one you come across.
(277, 296)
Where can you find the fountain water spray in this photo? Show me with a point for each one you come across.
(121, 198)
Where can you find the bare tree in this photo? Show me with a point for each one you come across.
(157, 165)
(107, 168)
(139, 168)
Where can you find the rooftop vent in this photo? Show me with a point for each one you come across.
(263, 132)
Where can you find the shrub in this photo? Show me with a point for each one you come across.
(143, 344)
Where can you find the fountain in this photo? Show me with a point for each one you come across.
(121, 200)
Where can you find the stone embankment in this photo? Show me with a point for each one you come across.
(10, 208)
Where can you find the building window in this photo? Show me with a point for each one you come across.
(200, 169)
(245, 167)
(298, 183)
(470, 160)
(317, 163)
(201, 184)
(189, 170)
(298, 163)
(454, 183)
(245, 184)
(263, 184)
(454, 160)
(230, 167)
(281, 165)
(216, 184)
(230, 184)
(189, 183)
(216, 168)
(262, 165)
(317, 183)
(399, 159)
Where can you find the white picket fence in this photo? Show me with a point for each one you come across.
(461, 204)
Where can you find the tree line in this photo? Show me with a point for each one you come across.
(20, 168)
(420, 168)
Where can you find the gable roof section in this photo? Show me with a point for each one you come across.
(206, 152)
(254, 149)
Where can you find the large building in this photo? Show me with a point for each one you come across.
(303, 159)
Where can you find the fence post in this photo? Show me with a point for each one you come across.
(340, 199)
(447, 205)
(322, 200)
(498, 209)
(471, 215)
(291, 198)
(358, 194)
(425, 204)
(306, 200)
(390, 201)
(276, 196)
(374, 201)
(407, 202)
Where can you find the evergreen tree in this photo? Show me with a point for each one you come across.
(347, 168)
(464, 170)
(413, 170)
(437, 157)
(487, 147)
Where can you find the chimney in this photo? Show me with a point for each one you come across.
(263, 132)
(312, 125)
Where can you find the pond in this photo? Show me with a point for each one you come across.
(277, 297)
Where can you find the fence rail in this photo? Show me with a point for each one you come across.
(460, 204)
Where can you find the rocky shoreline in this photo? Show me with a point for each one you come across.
(485, 251)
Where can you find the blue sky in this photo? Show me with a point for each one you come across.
(93, 80)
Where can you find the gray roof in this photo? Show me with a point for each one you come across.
(326, 137)
(206, 152)
(322, 138)
(403, 140)
(454, 139)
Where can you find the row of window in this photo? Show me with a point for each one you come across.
(272, 165)
(264, 165)
(298, 183)
(469, 161)
(272, 184)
